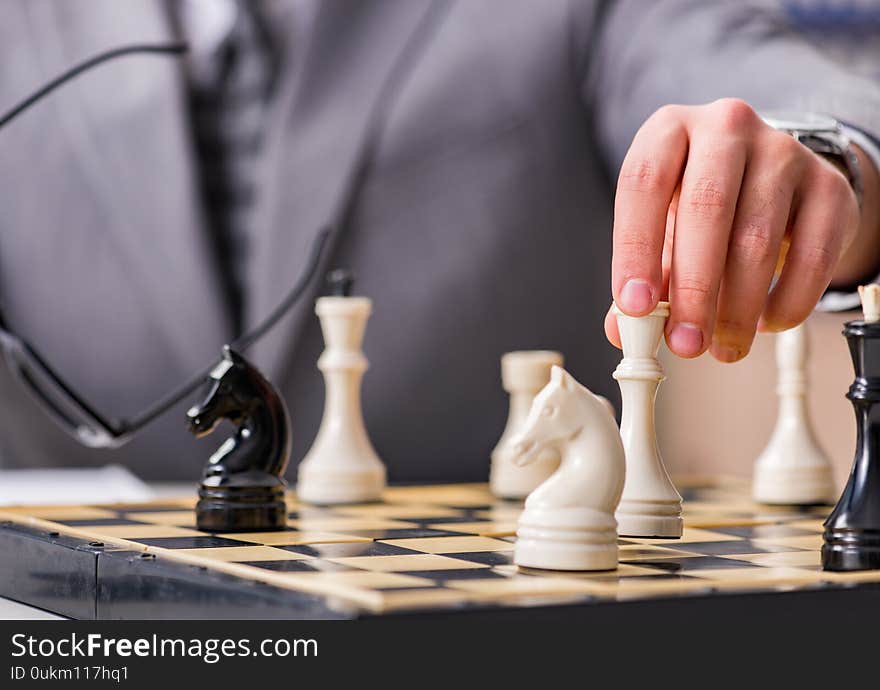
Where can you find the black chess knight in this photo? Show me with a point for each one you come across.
(242, 486)
(852, 531)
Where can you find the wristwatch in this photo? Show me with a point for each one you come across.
(825, 136)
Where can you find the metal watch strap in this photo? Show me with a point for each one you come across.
(838, 151)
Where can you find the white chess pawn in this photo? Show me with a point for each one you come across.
(793, 469)
(650, 505)
(870, 297)
(342, 466)
(568, 521)
(523, 374)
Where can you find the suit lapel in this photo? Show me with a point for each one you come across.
(128, 122)
(349, 61)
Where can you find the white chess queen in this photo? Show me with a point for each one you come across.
(568, 522)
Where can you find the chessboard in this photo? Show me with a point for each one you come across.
(422, 549)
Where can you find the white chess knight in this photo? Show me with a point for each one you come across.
(650, 505)
(568, 521)
(342, 465)
(793, 468)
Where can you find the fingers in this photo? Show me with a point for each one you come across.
(825, 219)
(708, 201)
(710, 189)
(755, 244)
(611, 330)
(666, 261)
(648, 178)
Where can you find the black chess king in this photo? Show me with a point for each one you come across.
(852, 531)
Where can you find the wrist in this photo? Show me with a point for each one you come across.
(826, 137)
(861, 260)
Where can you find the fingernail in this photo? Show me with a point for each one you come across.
(723, 353)
(636, 297)
(685, 339)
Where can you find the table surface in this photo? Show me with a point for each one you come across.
(423, 548)
(13, 610)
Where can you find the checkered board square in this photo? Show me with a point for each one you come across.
(434, 547)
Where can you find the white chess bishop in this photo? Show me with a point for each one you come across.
(793, 469)
(342, 466)
(568, 521)
(650, 505)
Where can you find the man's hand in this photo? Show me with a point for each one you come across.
(709, 197)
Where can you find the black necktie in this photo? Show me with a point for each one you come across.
(228, 113)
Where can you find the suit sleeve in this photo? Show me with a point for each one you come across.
(646, 54)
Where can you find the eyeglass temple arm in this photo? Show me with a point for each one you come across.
(68, 389)
(58, 379)
(241, 343)
(246, 340)
(170, 48)
(175, 48)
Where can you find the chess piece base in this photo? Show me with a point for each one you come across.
(851, 549)
(649, 519)
(792, 485)
(340, 486)
(241, 509)
(566, 539)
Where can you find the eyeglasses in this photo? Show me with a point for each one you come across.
(57, 398)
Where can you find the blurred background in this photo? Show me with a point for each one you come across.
(463, 156)
(716, 418)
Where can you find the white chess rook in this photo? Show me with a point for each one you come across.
(523, 375)
(342, 465)
(793, 469)
(650, 505)
(568, 521)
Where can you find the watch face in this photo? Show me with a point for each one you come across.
(800, 122)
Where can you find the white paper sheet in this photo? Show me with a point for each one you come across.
(107, 484)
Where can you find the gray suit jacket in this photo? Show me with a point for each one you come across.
(480, 222)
